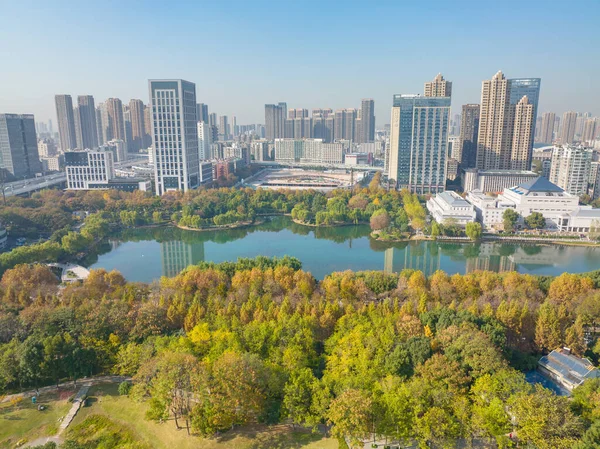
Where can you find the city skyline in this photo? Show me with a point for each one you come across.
(242, 85)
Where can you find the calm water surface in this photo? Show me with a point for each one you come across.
(147, 254)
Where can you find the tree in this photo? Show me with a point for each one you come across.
(535, 220)
(375, 182)
(591, 438)
(436, 230)
(169, 379)
(548, 334)
(350, 415)
(473, 230)
(510, 219)
(544, 419)
(300, 398)
(380, 220)
(74, 242)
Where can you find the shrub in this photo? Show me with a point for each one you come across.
(124, 388)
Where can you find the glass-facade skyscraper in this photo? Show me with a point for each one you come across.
(18, 145)
(530, 87)
(419, 142)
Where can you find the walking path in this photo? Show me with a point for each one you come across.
(77, 403)
(87, 381)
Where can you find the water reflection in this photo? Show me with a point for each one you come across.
(175, 255)
(146, 254)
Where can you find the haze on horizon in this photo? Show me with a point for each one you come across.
(313, 54)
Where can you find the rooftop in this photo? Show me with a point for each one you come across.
(453, 199)
(573, 369)
(507, 172)
(538, 185)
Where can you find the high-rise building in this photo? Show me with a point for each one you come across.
(85, 122)
(275, 118)
(234, 130)
(174, 135)
(202, 112)
(147, 126)
(77, 127)
(138, 128)
(439, 87)
(102, 124)
(205, 141)
(590, 130)
(116, 121)
(345, 124)
(367, 121)
(580, 123)
(127, 122)
(570, 168)
(547, 133)
(212, 119)
(469, 130)
(567, 132)
(418, 143)
(66, 122)
(223, 127)
(503, 108)
(530, 88)
(520, 158)
(18, 146)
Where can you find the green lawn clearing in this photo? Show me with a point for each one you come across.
(129, 417)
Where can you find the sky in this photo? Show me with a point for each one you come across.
(310, 54)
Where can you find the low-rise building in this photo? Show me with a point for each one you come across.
(567, 369)
(494, 181)
(449, 205)
(52, 163)
(584, 219)
(451, 169)
(353, 159)
(488, 209)
(85, 167)
(206, 172)
(90, 170)
(540, 195)
(309, 151)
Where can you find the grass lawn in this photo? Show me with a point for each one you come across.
(105, 400)
(24, 421)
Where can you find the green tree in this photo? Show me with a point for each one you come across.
(544, 419)
(535, 220)
(591, 438)
(350, 415)
(473, 230)
(509, 220)
(436, 230)
(74, 242)
(300, 398)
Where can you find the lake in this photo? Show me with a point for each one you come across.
(143, 255)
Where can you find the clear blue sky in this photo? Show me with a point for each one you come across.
(243, 54)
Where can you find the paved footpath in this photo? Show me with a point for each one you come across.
(51, 388)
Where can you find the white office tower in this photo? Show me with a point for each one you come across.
(204, 141)
(89, 169)
(174, 135)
